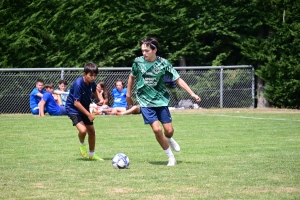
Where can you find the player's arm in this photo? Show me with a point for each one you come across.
(39, 94)
(80, 107)
(185, 86)
(60, 92)
(129, 88)
(42, 108)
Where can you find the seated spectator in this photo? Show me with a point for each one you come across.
(62, 91)
(119, 97)
(100, 105)
(102, 89)
(36, 96)
(49, 104)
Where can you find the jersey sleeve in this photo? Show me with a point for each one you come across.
(134, 68)
(171, 72)
(46, 96)
(77, 92)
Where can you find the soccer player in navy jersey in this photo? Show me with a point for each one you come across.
(77, 107)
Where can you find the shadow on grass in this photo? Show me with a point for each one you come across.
(88, 160)
(162, 162)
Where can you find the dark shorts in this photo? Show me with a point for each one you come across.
(153, 114)
(78, 118)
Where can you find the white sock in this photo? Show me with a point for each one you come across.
(92, 153)
(81, 143)
(169, 152)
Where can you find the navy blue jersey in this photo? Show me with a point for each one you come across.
(81, 92)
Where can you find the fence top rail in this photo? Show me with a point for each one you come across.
(122, 68)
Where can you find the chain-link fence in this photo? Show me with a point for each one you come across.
(218, 87)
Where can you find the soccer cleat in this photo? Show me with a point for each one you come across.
(95, 157)
(83, 151)
(172, 161)
(174, 145)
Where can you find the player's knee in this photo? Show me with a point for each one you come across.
(157, 130)
(169, 132)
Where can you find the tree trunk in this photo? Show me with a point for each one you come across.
(182, 62)
(261, 101)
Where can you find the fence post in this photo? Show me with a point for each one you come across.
(221, 87)
(62, 74)
(253, 88)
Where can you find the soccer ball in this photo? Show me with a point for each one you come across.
(120, 161)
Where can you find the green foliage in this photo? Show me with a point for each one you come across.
(54, 33)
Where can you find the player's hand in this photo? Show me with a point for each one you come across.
(196, 97)
(129, 101)
(91, 117)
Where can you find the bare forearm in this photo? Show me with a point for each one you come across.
(129, 85)
(129, 88)
(41, 109)
(185, 86)
(60, 92)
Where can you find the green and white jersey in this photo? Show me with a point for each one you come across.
(151, 90)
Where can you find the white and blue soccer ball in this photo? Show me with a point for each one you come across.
(120, 161)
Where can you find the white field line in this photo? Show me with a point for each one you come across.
(257, 118)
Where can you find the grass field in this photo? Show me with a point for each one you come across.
(225, 154)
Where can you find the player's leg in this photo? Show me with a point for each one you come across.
(91, 137)
(77, 121)
(161, 139)
(150, 117)
(92, 142)
(165, 118)
(81, 131)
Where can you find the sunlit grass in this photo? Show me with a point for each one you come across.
(226, 154)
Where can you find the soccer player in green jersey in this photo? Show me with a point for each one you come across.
(152, 96)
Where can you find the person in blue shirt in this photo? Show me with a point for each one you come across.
(62, 91)
(49, 104)
(36, 96)
(77, 107)
(119, 94)
(119, 99)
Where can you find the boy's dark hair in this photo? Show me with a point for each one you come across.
(40, 81)
(63, 82)
(90, 68)
(49, 85)
(151, 42)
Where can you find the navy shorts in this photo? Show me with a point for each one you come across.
(152, 114)
(78, 118)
